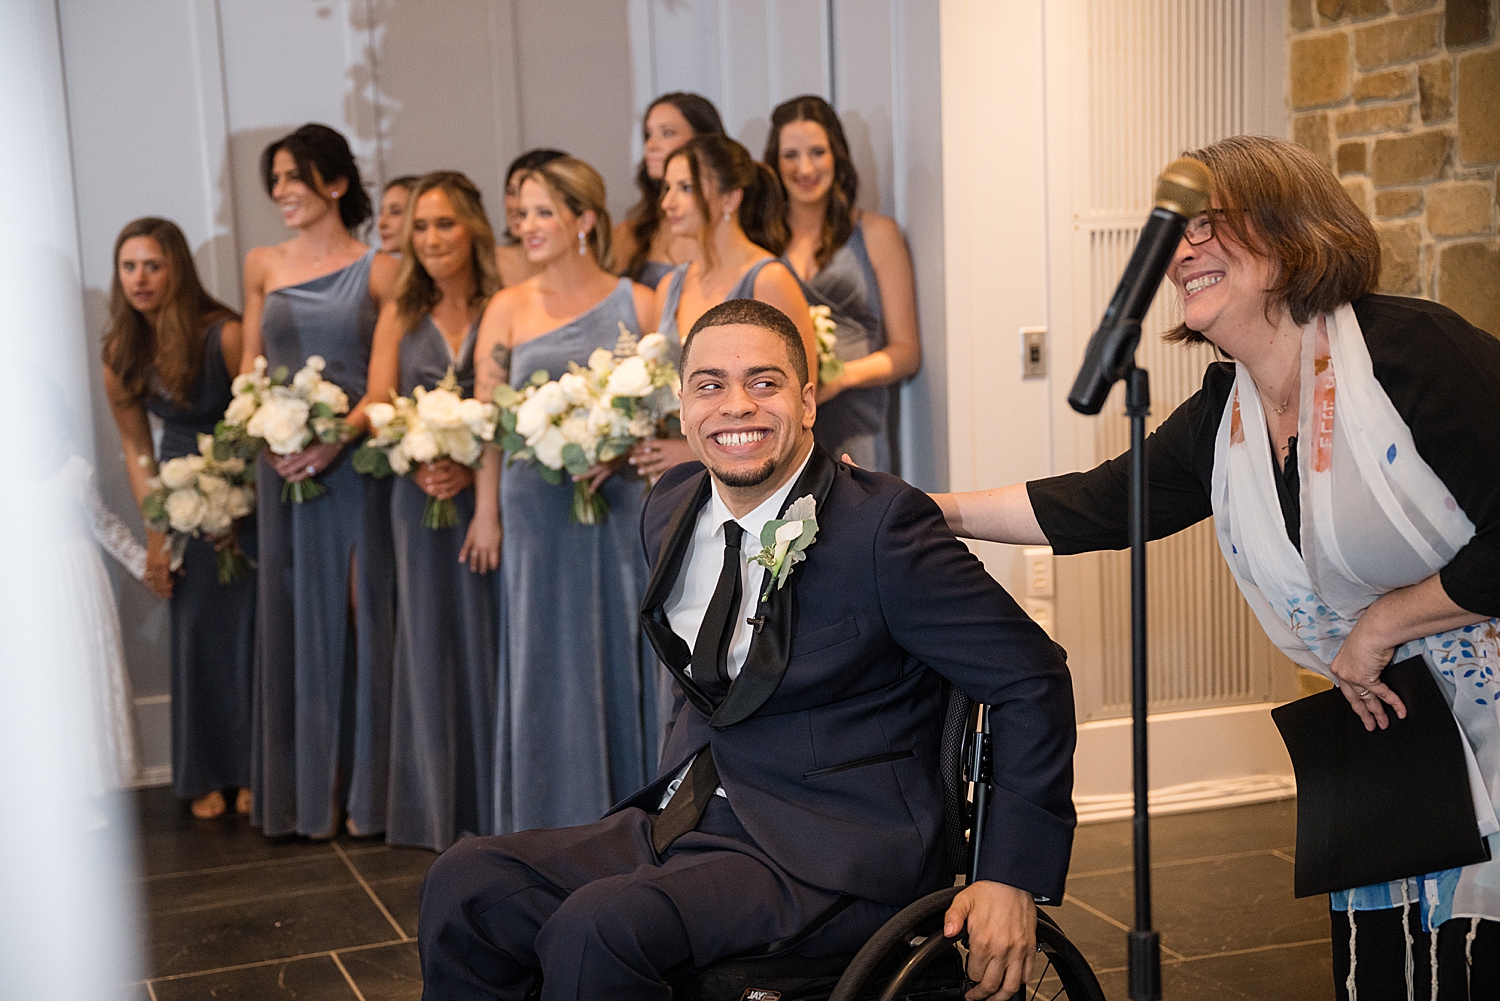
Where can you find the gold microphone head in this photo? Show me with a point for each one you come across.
(1184, 187)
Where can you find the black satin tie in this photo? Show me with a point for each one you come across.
(711, 650)
(711, 672)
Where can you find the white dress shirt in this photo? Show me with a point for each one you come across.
(704, 560)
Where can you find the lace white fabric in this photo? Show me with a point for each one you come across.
(109, 531)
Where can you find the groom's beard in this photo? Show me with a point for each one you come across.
(745, 477)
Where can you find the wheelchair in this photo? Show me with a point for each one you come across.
(908, 959)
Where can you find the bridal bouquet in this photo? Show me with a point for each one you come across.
(830, 365)
(286, 417)
(201, 496)
(431, 424)
(589, 415)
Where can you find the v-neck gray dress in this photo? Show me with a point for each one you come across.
(323, 684)
(580, 708)
(447, 633)
(857, 420)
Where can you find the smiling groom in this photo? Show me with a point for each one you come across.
(809, 613)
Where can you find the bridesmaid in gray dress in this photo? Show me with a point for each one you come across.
(854, 262)
(323, 679)
(447, 613)
(731, 207)
(643, 249)
(170, 349)
(580, 724)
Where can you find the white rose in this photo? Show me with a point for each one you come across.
(215, 488)
(216, 520)
(420, 445)
(576, 389)
(241, 502)
(553, 400)
(282, 423)
(185, 510)
(177, 473)
(549, 448)
(441, 408)
(602, 361)
(232, 466)
(305, 380)
(240, 409)
(575, 428)
(329, 393)
(601, 418)
(479, 418)
(629, 379)
(642, 426)
(531, 418)
(462, 446)
(380, 414)
(653, 347)
(400, 464)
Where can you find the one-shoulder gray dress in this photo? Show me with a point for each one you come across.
(857, 420)
(667, 326)
(213, 624)
(323, 685)
(581, 721)
(447, 620)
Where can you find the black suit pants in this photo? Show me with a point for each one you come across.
(599, 914)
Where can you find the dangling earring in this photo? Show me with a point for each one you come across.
(726, 215)
(583, 244)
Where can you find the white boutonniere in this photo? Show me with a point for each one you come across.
(784, 540)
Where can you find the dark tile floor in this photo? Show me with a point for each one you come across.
(233, 915)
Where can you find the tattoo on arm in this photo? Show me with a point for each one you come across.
(500, 358)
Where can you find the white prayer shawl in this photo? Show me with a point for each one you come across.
(1375, 517)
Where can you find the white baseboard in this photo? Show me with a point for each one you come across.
(1199, 760)
(152, 776)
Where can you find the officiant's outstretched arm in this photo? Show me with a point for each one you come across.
(809, 613)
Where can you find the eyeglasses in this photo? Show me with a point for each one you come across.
(1200, 229)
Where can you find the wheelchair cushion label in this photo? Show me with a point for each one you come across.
(760, 994)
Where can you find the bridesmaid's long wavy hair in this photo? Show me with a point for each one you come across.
(416, 292)
(762, 213)
(580, 188)
(173, 351)
(322, 154)
(644, 217)
(838, 218)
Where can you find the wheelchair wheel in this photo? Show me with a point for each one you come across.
(909, 960)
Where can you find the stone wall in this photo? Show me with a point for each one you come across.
(1402, 98)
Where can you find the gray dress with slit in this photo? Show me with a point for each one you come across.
(447, 620)
(857, 420)
(323, 682)
(213, 624)
(581, 720)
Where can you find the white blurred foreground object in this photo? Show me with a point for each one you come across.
(67, 916)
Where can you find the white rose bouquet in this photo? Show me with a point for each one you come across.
(202, 496)
(590, 415)
(830, 365)
(269, 412)
(431, 424)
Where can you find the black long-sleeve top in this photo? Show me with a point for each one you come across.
(1440, 372)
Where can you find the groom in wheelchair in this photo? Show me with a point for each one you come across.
(810, 613)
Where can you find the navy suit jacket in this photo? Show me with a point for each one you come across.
(835, 772)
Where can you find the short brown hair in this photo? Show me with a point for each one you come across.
(1284, 204)
(753, 313)
(416, 293)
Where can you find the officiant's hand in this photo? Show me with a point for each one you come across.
(1001, 921)
(305, 464)
(1357, 669)
(443, 479)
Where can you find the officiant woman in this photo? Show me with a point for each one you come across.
(1347, 452)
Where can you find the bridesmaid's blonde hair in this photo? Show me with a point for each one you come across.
(416, 293)
(579, 188)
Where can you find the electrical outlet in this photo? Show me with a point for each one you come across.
(1037, 561)
(1033, 352)
(1043, 613)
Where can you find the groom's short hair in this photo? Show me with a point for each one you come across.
(754, 313)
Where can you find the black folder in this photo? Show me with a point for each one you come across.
(1375, 807)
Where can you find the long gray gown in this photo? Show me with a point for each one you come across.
(581, 719)
(447, 622)
(323, 684)
(213, 624)
(857, 420)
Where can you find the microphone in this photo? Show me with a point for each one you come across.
(1182, 192)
